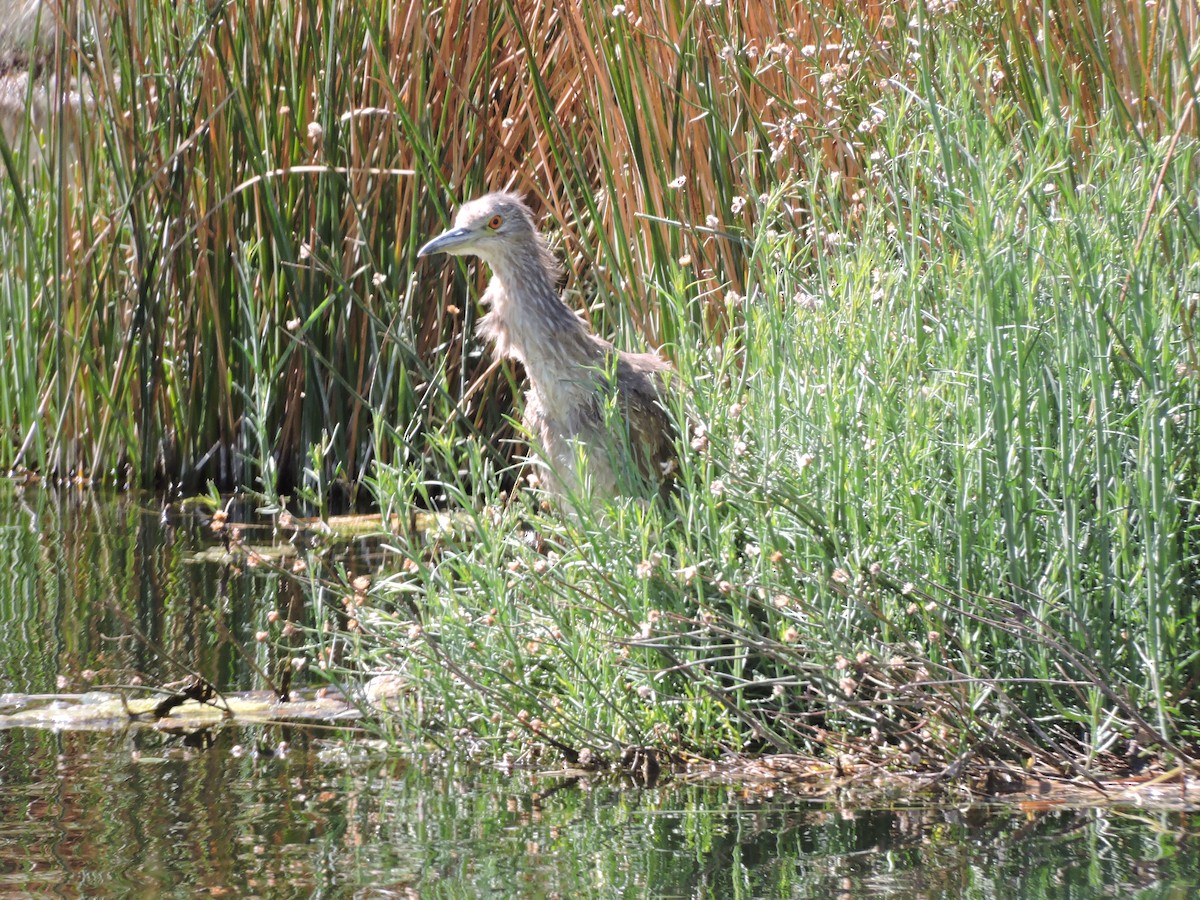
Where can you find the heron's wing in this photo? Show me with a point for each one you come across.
(643, 394)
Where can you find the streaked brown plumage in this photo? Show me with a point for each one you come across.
(572, 372)
(28, 32)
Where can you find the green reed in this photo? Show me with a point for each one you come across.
(932, 301)
(943, 500)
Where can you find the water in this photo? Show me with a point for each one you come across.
(282, 811)
(119, 815)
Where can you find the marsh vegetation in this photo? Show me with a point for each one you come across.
(929, 276)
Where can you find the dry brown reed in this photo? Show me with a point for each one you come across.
(238, 277)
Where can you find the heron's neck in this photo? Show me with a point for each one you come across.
(528, 320)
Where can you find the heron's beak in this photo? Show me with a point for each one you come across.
(448, 242)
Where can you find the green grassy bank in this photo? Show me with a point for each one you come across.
(929, 277)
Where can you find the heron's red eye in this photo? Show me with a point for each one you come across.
(495, 222)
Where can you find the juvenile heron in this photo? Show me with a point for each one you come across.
(584, 394)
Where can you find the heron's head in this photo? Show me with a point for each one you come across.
(490, 227)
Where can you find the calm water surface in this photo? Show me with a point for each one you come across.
(281, 811)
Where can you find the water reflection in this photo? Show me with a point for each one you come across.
(141, 812)
(126, 590)
(86, 573)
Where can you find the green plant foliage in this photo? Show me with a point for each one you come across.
(928, 276)
(938, 487)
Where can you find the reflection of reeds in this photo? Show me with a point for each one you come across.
(104, 591)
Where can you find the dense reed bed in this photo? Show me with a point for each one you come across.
(929, 275)
(218, 274)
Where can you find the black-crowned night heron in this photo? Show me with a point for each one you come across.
(596, 411)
